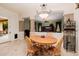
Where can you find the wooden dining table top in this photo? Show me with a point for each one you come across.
(43, 39)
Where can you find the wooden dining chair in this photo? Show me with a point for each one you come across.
(57, 48)
(29, 42)
(30, 49)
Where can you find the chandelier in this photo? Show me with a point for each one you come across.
(43, 13)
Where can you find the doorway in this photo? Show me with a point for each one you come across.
(3, 29)
(27, 26)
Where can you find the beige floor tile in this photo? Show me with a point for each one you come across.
(18, 48)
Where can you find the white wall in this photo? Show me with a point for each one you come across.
(21, 33)
(12, 22)
(76, 17)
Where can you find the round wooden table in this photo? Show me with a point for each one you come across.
(44, 40)
(43, 44)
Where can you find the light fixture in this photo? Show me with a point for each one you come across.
(43, 13)
(1, 17)
(43, 16)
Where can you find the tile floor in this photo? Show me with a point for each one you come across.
(18, 48)
(14, 48)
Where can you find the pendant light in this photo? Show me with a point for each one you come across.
(43, 13)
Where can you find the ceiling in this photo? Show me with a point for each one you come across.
(29, 9)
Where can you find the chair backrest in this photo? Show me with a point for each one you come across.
(59, 43)
(29, 42)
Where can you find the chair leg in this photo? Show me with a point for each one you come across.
(29, 54)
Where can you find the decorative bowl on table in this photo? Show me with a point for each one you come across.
(42, 36)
